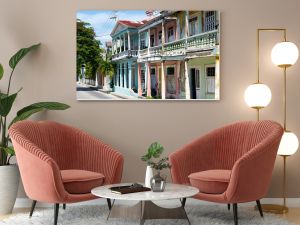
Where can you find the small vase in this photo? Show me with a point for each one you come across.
(158, 183)
(148, 176)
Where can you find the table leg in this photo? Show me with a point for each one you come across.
(153, 211)
(142, 221)
(147, 210)
(110, 209)
(130, 212)
(186, 216)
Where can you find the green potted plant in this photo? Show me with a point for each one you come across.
(9, 173)
(157, 182)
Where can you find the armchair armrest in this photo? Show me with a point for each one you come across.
(251, 174)
(40, 174)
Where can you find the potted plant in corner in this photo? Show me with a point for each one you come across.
(156, 182)
(9, 173)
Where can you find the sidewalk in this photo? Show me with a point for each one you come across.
(123, 96)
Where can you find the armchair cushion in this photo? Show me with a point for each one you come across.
(81, 181)
(211, 181)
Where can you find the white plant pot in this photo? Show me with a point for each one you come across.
(148, 176)
(9, 183)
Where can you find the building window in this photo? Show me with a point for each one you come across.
(143, 80)
(159, 37)
(143, 44)
(143, 41)
(197, 78)
(210, 21)
(152, 71)
(170, 80)
(170, 34)
(210, 79)
(170, 71)
(193, 26)
(152, 40)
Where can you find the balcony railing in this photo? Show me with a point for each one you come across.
(199, 42)
(155, 51)
(203, 41)
(127, 53)
(143, 52)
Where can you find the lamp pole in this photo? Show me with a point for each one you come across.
(270, 207)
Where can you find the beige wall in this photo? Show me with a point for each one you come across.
(49, 74)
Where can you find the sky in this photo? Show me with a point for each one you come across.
(103, 24)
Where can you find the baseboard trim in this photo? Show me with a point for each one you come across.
(291, 202)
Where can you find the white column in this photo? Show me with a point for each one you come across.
(163, 81)
(119, 41)
(186, 27)
(129, 44)
(149, 79)
(124, 42)
(157, 78)
(177, 78)
(129, 71)
(125, 75)
(163, 34)
(148, 41)
(187, 81)
(122, 75)
(140, 91)
(114, 47)
(146, 76)
(139, 40)
(177, 29)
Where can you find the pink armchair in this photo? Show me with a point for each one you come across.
(60, 164)
(231, 165)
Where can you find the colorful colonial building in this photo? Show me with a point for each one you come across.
(172, 56)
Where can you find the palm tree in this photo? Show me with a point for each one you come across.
(106, 68)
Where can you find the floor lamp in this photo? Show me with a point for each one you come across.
(284, 55)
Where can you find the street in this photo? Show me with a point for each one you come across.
(87, 93)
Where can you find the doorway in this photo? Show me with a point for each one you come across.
(193, 84)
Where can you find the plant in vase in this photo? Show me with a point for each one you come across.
(156, 182)
(9, 173)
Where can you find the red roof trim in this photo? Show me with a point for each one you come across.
(130, 23)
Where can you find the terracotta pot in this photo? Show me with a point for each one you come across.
(9, 183)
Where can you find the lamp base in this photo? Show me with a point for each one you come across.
(276, 209)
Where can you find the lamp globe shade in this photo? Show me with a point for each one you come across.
(289, 144)
(284, 54)
(257, 95)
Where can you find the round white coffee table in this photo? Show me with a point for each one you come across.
(145, 209)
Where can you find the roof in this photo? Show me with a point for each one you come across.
(129, 23)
